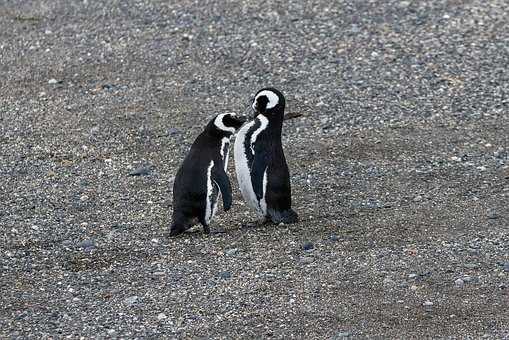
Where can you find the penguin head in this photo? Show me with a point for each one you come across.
(225, 124)
(269, 102)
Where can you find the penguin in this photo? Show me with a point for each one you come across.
(260, 164)
(202, 176)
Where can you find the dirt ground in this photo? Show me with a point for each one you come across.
(399, 165)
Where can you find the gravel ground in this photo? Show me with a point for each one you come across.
(400, 169)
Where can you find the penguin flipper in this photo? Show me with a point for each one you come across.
(258, 168)
(223, 182)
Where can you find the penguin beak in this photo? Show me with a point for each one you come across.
(246, 114)
(242, 119)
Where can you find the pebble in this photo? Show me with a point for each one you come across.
(231, 252)
(173, 131)
(459, 282)
(388, 282)
(131, 300)
(306, 260)
(161, 316)
(334, 238)
(87, 244)
(470, 265)
(418, 198)
(427, 303)
(467, 279)
(342, 335)
(412, 276)
(53, 81)
(308, 246)
(413, 287)
(492, 215)
(140, 171)
(506, 267)
(225, 275)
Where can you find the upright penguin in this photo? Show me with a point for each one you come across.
(260, 162)
(203, 174)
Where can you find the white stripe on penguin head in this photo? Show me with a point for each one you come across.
(271, 96)
(218, 122)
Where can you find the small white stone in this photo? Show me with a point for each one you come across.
(52, 81)
(413, 287)
(459, 282)
(427, 303)
(161, 316)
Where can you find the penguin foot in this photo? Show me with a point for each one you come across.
(175, 231)
(206, 229)
(287, 216)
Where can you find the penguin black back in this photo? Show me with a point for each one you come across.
(260, 163)
(202, 175)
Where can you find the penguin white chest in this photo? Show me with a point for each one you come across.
(212, 193)
(225, 150)
(244, 146)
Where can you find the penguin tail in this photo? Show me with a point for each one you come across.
(286, 216)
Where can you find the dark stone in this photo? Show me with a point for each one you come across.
(308, 246)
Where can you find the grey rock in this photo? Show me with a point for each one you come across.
(306, 260)
(131, 300)
(492, 215)
(471, 265)
(87, 244)
(231, 252)
(141, 171)
(342, 335)
(334, 238)
(467, 279)
(173, 132)
(506, 267)
(388, 282)
(459, 282)
(225, 275)
(307, 246)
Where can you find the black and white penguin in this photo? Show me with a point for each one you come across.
(202, 176)
(260, 162)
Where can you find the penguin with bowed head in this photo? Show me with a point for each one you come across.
(202, 176)
(260, 164)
